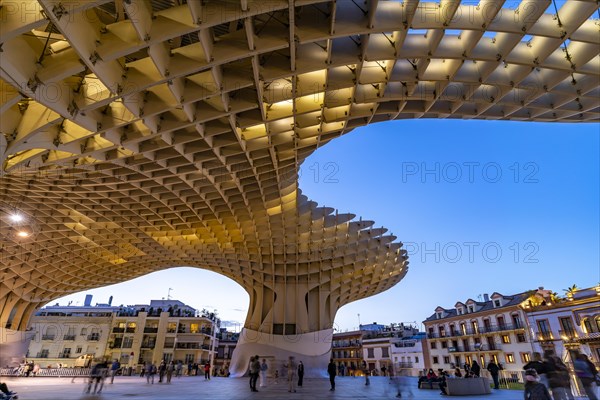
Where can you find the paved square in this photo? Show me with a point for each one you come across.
(225, 389)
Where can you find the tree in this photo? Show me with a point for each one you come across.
(571, 290)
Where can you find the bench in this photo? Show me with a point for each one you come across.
(467, 386)
(429, 385)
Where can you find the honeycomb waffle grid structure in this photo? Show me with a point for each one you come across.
(143, 135)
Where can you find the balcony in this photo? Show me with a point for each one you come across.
(118, 330)
(568, 335)
(64, 355)
(405, 365)
(130, 330)
(43, 354)
(151, 329)
(69, 337)
(48, 337)
(477, 331)
(542, 336)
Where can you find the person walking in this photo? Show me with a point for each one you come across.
(331, 369)
(537, 364)
(114, 368)
(170, 368)
(300, 373)
(494, 370)
(162, 368)
(263, 373)
(558, 377)
(366, 372)
(178, 369)
(534, 390)
(207, 371)
(150, 372)
(250, 373)
(97, 375)
(254, 372)
(291, 374)
(586, 372)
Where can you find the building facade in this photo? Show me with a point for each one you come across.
(346, 350)
(569, 325)
(411, 354)
(494, 329)
(69, 336)
(162, 330)
(227, 342)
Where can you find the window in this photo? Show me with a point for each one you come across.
(457, 360)
(471, 309)
(460, 310)
(497, 303)
(517, 321)
(430, 332)
(172, 327)
(501, 323)
(416, 359)
(588, 326)
(444, 345)
(78, 350)
(194, 328)
(510, 358)
(385, 352)
(567, 325)
(128, 342)
(463, 328)
(521, 337)
(370, 353)
(131, 327)
(525, 358)
(435, 360)
(433, 345)
(189, 358)
(83, 331)
(446, 360)
(438, 315)
(506, 339)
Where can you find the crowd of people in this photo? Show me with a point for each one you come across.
(548, 378)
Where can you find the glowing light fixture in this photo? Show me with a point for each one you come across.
(23, 234)
(16, 217)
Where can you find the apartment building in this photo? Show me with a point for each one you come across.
(69, 336)
(162, 330)
(566, 325)
(227, 342)
(411, 354)
(346, 349)
(378, 345)
(494, 328)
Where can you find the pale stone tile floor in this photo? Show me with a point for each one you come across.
(194, 388)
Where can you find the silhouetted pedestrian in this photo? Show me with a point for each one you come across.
(300, 373)
(331, 370)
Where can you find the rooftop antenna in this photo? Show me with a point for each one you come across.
(169, 294)
(358, 320)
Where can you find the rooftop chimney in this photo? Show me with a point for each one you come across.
(110, 301)
(486, 297)
(88, 300)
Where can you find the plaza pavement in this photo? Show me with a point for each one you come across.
(195, 388)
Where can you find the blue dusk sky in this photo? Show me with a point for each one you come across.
(481, 207)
